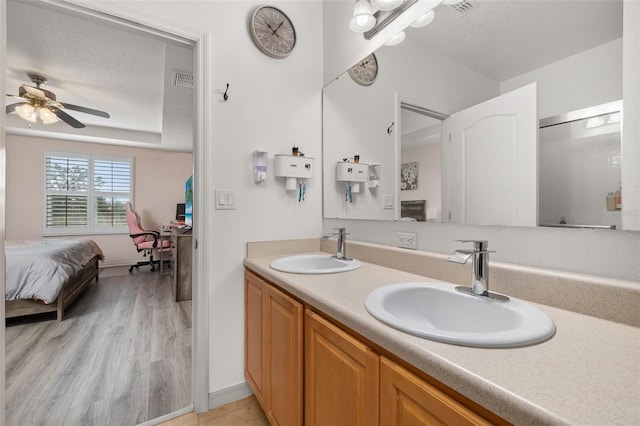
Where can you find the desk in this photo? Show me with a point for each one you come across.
(163, 236)
(181, 248)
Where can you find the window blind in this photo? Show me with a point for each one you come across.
(86, 194)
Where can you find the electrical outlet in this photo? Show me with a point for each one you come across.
(407, 240)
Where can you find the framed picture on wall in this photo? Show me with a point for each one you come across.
(409, 176)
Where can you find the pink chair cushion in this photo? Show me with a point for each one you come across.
(166, 244)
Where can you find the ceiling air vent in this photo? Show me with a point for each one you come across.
(182, 79)
(463, 7)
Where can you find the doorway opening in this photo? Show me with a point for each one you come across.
(196, 58)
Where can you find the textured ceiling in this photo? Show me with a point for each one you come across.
(90, 63)
(505, 38)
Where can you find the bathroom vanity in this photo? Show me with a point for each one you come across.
(314, 355)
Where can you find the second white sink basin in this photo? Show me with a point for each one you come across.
(314, 264)
(437, 311)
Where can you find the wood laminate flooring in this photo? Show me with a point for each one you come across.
(122, 356)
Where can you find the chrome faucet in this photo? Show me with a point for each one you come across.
(480, 269)
(341, 253)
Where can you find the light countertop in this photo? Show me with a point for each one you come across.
(587, 374)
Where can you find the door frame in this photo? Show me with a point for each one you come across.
(201, 41)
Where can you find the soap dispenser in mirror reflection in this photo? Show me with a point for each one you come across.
(618, 197)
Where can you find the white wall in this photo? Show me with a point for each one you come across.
(177, 113)
(589, 78)
(160, 178)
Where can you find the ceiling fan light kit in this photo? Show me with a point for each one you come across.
(381, 13)
(40, 103)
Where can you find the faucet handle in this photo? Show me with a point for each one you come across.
(478, 245)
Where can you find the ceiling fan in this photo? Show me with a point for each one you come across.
(38, 102)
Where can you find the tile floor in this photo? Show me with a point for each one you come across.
(244, 412)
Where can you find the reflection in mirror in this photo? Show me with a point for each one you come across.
(421, 163)
(580, 168)
(575, 59)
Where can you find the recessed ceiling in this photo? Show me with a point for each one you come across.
(96, 64)
(505, 38)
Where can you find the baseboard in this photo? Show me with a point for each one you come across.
(167, 417)
(230, 394)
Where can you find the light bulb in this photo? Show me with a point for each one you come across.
(363, 19)
(27, 111)
(47, 116)
(387, 4)
(424, 20)
(396, 39)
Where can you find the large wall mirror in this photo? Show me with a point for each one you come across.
(566, 55)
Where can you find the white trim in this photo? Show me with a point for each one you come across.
(230, 394)
(166, 417)
(3, 128)
(200, 271)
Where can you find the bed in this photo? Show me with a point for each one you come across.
(47, 275)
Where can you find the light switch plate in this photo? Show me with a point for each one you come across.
(388, 201)
(225, 199)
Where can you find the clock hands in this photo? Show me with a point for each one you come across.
(275, 31)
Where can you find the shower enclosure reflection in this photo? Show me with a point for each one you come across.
(579, 168)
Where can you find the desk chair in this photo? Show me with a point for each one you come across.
(145, 241)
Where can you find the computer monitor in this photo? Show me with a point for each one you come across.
(180, 212)
(188, 201)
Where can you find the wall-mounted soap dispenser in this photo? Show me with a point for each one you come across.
(259, 166)
(295, 170)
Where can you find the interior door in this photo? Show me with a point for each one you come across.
(490, 159)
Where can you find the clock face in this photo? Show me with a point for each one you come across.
(365, 71)
(273, 32)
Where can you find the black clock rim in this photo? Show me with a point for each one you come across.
(257, 42)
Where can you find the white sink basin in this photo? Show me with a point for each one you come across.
(314, 264)
(437, 311)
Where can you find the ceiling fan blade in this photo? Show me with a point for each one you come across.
(85, 110)
(16, 97)
(67, 118)
(12, 107)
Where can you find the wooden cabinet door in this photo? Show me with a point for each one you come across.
(255, 302)
(273, 350)
(407, 400)
(284, 359)
(341, 377)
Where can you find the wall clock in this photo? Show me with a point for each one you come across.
(272, 32)
(365, 71)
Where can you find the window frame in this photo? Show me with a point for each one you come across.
(91, 228)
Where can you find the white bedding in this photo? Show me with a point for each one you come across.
(38, 269)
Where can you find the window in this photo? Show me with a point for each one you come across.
(86, 194)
